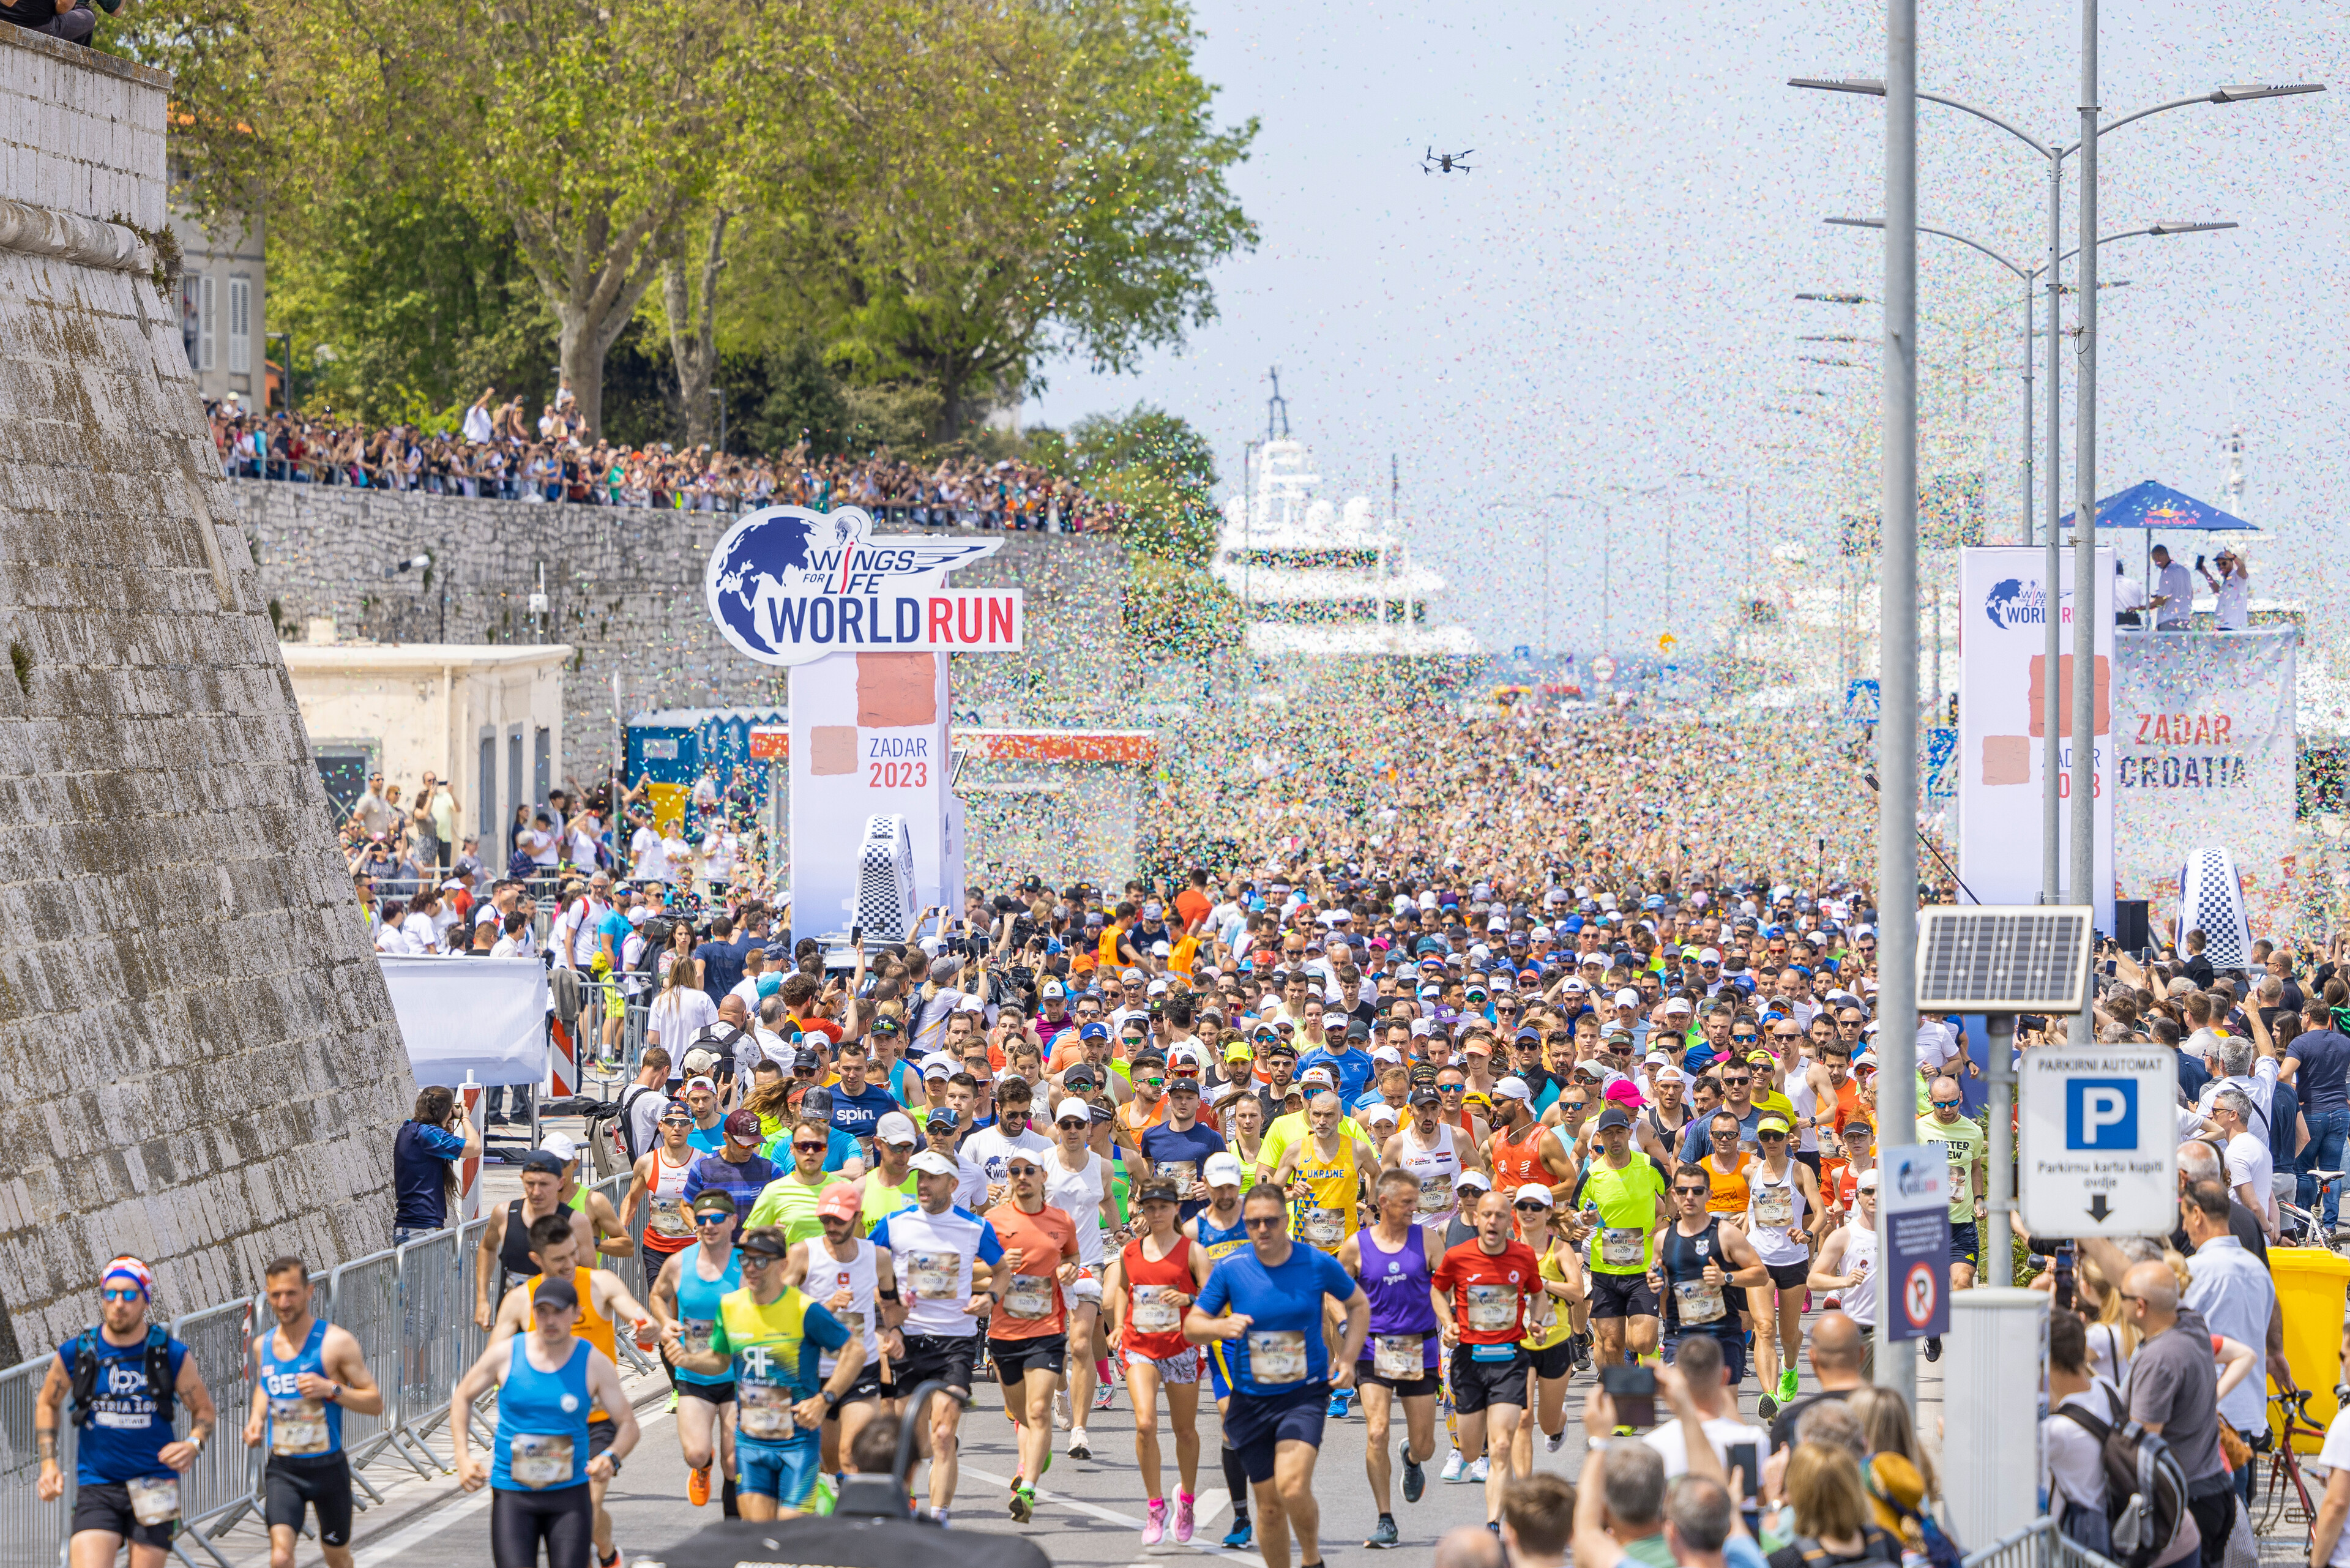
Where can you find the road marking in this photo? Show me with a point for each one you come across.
(1110, 1514)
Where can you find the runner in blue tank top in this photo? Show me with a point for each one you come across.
(685, 1299)
(126, 1480)
(1401, 1355)
(1220, 1232)
(547, 1381)
(311, 1372)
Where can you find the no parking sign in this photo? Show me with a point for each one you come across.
(1914, 1198)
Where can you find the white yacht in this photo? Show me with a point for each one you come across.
(1318, 582)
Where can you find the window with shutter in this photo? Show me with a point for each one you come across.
(205, 322)
(240, 326)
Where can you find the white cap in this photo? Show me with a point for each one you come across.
(1050, 987)
(930, 1162)
(1677, 1004)
(1860, 931)
(1671, 1076)
(1532, 1192)
(1473, 1182)
(970, 1004)
(1573, 986)
(1513, 1088)
(1711, 955)
(1071, 1109)
(1317, 1077)
(1156, 988)
(1539, 934)
(895, 1127)
(1387, 1055)
(1221, 1171)
(1627, 997)
(562, 1146)
(1380, 1113)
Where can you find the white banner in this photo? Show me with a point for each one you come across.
(2002, 635)
(460, 1015)
(2207, 740)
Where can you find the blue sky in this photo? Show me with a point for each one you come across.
(1608, 299)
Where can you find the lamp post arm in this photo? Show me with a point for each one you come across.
(1990, 119)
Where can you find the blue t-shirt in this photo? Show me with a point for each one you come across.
(744, 1181)
(721, 969)
(2325, 1058)
(1284, 1309)
(1351, 1068)
(839, 1149)
(709, 1139)
(1162, 1146)
(615, 926)
(419, 1168)
(126, 1436)
(856, 1114)
(1697, 1138)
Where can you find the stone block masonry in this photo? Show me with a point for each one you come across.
(624, 587)
(198, 1062)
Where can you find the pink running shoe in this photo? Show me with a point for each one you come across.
(1184, 1501)
(1154, 1527)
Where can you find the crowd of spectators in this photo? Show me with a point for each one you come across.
(499, 454)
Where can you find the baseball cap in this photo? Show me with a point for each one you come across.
(945, 1116)
(1094, 1032)
(1425, 1095)
(1627, 997)
(1317, 1077)
(841, 1201)
(1050, 988)
(544, 1163)
(701, 1083)
(895, 1127)
(1377, 1115)
(562, 1146)
(930, 1162)
(1221, 1171)
(1615, 1115)
(1676, 1008)
(938, 1066)
(1238, 1050)
(677, 1111)
(1772, 1123)
(1532, 1192)
(557, 1295)
(1072, 1109)
(1157, 1190)
(742, 1124)
(1513, 1088)
(1473, 1182)
(1865, 1181)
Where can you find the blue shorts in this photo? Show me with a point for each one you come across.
(1733, 1350)
(785, 1471)
(1255, 1424)
(1218, 1385)
(1965, 1242)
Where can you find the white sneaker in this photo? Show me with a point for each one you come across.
(1477, 1471)
(1454, 1463)
(1079, 1447)
(1555, 1441)
(1061, 1420)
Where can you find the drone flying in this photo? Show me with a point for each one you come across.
(1435, 162)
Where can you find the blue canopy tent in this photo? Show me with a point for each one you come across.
(2155, 507)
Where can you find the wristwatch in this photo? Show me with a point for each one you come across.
(831, 1399)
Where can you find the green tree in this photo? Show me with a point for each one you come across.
(1160, 472)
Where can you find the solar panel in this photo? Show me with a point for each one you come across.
(1990, 958)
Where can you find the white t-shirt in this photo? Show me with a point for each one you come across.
(1722, 1431)
(648, 855)
(677, 1017)
(2250, 1163)
(2235, 601)
(2335, 1456)
(2074, 1460)
(988, 1148)
(718, 857)
(540, 845)
(394, 939)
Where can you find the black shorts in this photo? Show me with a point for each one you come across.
(1809, 1156)
(601, 1436)
(1014, 1359)
(1789, 1276)
(720, 1394)
(1621, 1296)
(867, 1386)
(321, 1482)
(106, 1506)
(943, 1358)
(1552, 1361)
(1477, 1384)
(1256, 1425)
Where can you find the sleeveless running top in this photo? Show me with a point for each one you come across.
(859, 1277)
(593, 1327)
(1773, 1205)
(1438, 1169)
(1729, 1195)
(299, 1426)
(1515, 1164)
(1078, 1195)
(697, 1308)
(1329, 1213)
(1402, 1343)
(1154, 1323)
(1553, 1326)
(542, 1441)
(1222, 1241)
(1860, 1256)
(514, 1250)
(1692, 1306)
(1670, 1136)
(668, 1227)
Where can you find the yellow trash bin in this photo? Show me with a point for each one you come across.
(2311, 1285)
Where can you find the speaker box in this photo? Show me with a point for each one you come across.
(2131, 930)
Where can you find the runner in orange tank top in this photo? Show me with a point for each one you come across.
(1522, 1149)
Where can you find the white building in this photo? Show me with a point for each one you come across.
(1319, 583)
(222, 301)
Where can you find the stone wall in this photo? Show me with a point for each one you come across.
(624, 586)
(198, 1062)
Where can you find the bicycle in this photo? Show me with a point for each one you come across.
(2276, 1505)
(2298, 1227)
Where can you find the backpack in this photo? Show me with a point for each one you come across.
(623, 1128)
(159, 1373)
(2146, 1490)
(1876, 1547)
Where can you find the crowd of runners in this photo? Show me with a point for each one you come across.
(1418, 1149)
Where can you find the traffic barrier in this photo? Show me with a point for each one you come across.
(2039, 1544)
(362, 1297)
(225, 1480)
(32, 1532)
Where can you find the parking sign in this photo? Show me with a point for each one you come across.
(2098, 1154)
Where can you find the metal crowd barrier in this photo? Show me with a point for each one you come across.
(412, 1311)
(2039, 1544)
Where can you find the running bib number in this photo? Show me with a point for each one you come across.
(154, 1499)
(1700, 1301)
(1155, 1311)
(1277, 1355)
(298, 1427)
(669, 1218)
(1183, 1173)
(764, 1411)
(1398, 1355)
(1622, 1246)
(1028, 1296)
(539, 1459)
(854, 1321)
(933, 1276)
(1774, 1207)
(1435, 1195)
(1490, 1307)
(693, 1335)
(1321, 1226)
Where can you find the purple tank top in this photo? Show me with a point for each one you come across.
(1397, 1284)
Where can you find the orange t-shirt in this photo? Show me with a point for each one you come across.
(1192, 904)
(1033, 1306)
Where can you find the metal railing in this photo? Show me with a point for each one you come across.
(412, 1309)
(2040, 1545)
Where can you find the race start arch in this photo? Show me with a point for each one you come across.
(864, 624)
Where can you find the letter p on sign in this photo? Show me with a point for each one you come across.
(2100, 1113)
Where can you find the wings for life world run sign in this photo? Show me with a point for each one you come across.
(786, 585)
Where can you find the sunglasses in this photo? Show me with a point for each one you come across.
(704, 1221)
(1066, 1125)
(1745, 1039)
(126, 1293)
(1948, 1105)
(1770, 1138)
(798, 1147)
(1735, 1083)
(1531, 1208)
(1693, 1191)
(1266, 1222)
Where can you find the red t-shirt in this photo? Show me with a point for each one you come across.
(1033, 1306)
(1489, 1290)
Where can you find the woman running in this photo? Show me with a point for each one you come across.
(1553, 1317)
(1153, 1279)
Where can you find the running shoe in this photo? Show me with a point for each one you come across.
(1154, 1522)
(1023, 1504)
(1104, 1396)
(1476, 1472)
(611, 1561)
(1453, 1465)
(1835, 1303)
(938, 1517)
(1554, 1442)
(1578, 1350)
(697, 1486)
(1415, 1479)
(672, 1408)
(1384, 1536)
(1765, 1407)
(1061, 1420)
(1786, 1384)
(1337, 1405)
(1079, 1447)
(1933, 1347)
(1241, 1534)
(1184, 1505)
